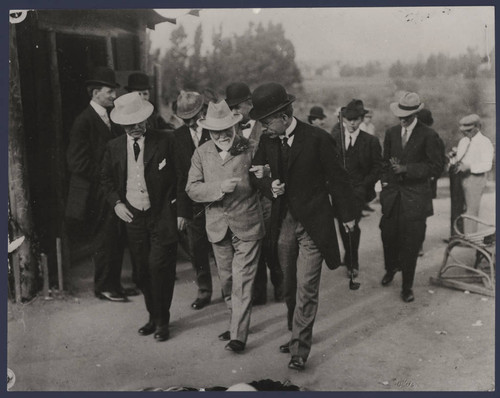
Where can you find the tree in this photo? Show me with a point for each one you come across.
(174, 63)
(397, 70)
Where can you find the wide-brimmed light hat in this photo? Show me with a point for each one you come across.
(131, 109)
(219, 117)
(408, 104)
(469, 122)
(189, 103)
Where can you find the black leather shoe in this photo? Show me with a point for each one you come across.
(199, 303)
(226, 336)
(235, 346)
(111, 296)
(407, 296)
(388, 277)
(130, 291)
(147, 329)
(162, 334)
(297, 363)
(285, 348)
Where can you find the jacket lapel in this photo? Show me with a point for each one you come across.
(297, 144)
(149, 148)
(122, 159)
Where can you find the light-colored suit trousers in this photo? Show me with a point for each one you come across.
(473, 186)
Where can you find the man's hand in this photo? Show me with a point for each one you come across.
(277, 188)
(258, 171)
(461, 168)
(399, 168)
(229, 185)
(181, 223)
(123, 213)
(349, 225)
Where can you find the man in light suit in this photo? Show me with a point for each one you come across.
(412, 155)
(239, 99)
(86, 204)
(305, 169)
(191, 215)
(219, 177)
(139, 179)
(362, 158)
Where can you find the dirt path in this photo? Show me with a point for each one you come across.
(365, 340)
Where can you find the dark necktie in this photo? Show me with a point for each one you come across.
(137, 149)
(404, 140)
(245, 126)
(350, 143)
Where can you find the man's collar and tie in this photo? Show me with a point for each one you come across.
(196, 135)
(351, 139)
(406, 132)
(137, 144)
(246, 128)
(102, 112)
(289, 133)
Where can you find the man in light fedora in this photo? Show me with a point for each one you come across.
(411, 157)
(239, 99)
(305, 169)
(317, 117)
(139, 82)
(219, 177)
(191, 215)
(139, 179)
(86, 204)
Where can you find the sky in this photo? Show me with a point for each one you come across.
(351, 35)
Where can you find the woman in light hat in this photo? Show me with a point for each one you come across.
(219, 176)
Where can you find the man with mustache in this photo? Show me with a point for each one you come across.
(219, 176)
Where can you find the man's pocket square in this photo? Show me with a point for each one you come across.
(162, 164)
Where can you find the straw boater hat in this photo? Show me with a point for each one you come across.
(408, 104)
(469, 122)
(189, 103)
(269, 98)
(131, 109)
(219, 117)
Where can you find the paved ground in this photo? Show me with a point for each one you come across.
(365, 340)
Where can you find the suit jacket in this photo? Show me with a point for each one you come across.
(366, 161)
(88, 138)
(239, 210)
(159, 173)
(184, 148)
(423, 159)
(314, 172)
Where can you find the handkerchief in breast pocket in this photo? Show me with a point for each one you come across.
(162, 164)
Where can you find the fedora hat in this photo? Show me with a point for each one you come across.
(317, 111)
(236, 93)
(469, 122)
(131, 109)
(102, 76)
(189, 103)
(354, 109)
(408, 104)
(138, 82)
(269, 98)
(219, 117)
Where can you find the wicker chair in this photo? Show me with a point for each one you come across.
(478, 277)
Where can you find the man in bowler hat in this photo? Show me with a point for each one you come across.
(86, 203)
(305, 169)
(316, 117)
(139, 179)
(412, 155)
(362, 158)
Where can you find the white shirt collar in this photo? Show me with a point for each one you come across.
(290, 128)
(98, 108)
(140, 141)
(353, 136)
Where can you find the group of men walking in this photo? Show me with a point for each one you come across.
(246, 179)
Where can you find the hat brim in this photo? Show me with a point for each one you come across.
(398, 112)
(257, 114)
(220, 124)
(141, 88)
(101, 83)
(193, 113)
(236, 101)
(466, 128)
(318, 116)
(137, 117)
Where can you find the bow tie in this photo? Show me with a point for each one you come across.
(246, 126)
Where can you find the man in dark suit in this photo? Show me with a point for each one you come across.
(86, 203)
(362, 158)
(139, 179)
(412, 155)
(239, 99)
(191, 215)
(305, 169)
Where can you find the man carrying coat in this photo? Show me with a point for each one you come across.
(139, 179)
(305, 169)
(412, 155)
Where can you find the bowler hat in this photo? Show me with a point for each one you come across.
(236, 93)
(130, 108)
(408, 104)
(102, 76)
(219, 117)
(469, 122)
(269, 98)
(189, 103)
(138, 82)
(354, 109)
(317, 112)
